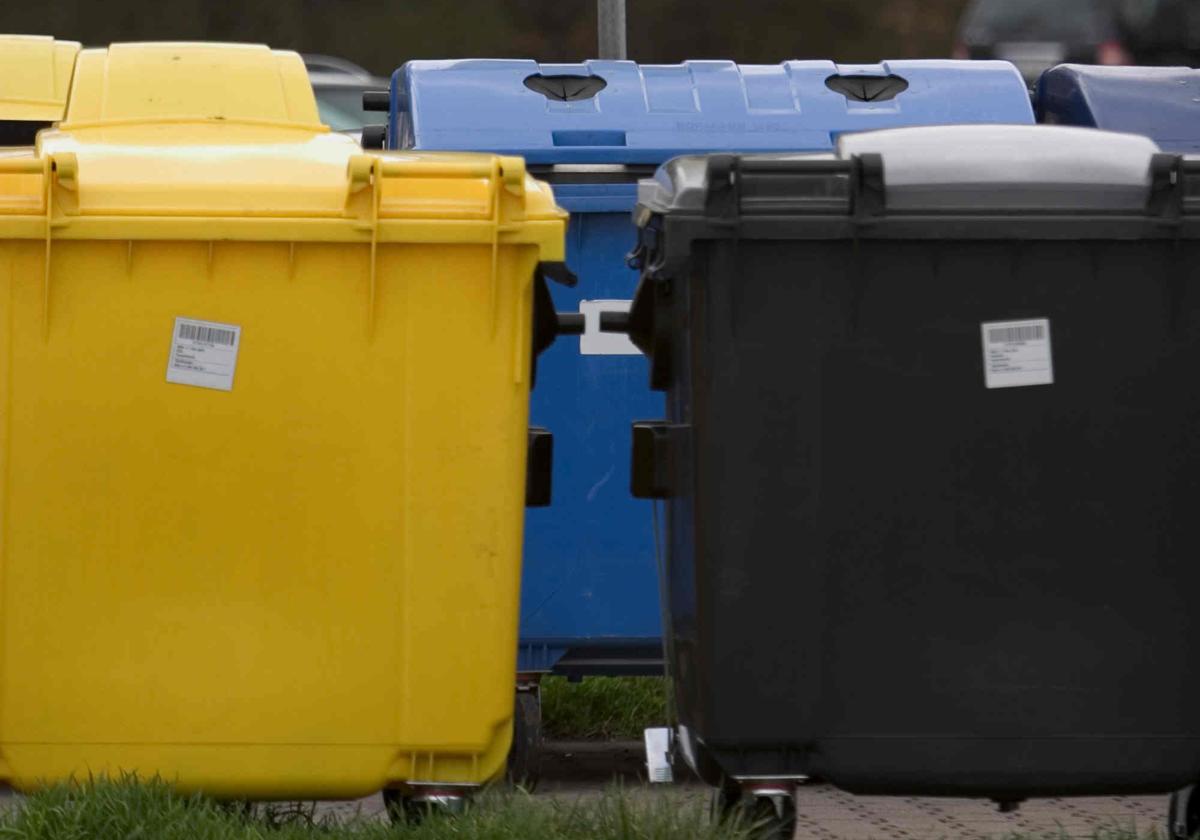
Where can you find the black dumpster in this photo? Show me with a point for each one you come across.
(931, 462)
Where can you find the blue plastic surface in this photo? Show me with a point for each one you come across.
(1162, 103)
(649, 113)
(590, 586)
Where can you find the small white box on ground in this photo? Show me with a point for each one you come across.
(658, 755)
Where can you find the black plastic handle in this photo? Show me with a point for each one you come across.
(571, 323)
(377, 100)
(652, 466)
(374, 137)
(539, 468)
(614, 322)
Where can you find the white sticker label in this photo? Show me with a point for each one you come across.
(596, 343)
(1017, 353)
(204, 353)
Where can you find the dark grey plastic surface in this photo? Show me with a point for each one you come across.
(880, 571)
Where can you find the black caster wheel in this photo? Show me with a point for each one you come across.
(773, 817)
(1183, 815)
(767, 815)
(727, 801)
(241, 809)
(525, 757)
(401, 809)
(404, 808)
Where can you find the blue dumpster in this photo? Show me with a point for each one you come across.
(1162, 103)
(590, 600)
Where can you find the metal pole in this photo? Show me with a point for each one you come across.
(610, 15)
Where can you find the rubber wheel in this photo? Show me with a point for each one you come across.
(401, 809)
(242, 809)
(726, 801)
(772, 818)
(525, 756)
(1188, 802)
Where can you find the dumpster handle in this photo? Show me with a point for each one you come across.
(505, 175)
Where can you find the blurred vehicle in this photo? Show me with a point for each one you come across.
(1035, 35)
(339, 85)
(1164, 32)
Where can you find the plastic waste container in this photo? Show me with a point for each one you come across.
(35, 75)
(590, 589)
(265, 434)
(929, 462)
(1162, 103)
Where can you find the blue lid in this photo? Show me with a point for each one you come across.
(1162, 103)
(623, 112)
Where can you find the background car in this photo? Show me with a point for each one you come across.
(1038, 34)
(339, 85)
(1165, 32)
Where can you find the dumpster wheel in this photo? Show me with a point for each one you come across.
(768, 811)
(525, 756)
(1183, 814)
(411, 807)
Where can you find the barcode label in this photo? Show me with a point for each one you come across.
(1017, 353)
(1003, 335)
(204, 354)
(209, 335)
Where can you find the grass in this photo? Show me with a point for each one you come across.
(127, 809)
(602, 708)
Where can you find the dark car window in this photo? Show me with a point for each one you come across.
(1068, 21)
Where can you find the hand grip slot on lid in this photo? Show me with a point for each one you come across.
(586, 137)
(863, 88)
(567, 87)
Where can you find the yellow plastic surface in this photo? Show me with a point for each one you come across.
(35, 75)
(238, 83)
(306, 586)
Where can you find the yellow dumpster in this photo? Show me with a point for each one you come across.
(264, 439)
(35, 74)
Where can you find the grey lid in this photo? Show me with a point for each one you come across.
(1009, 167)
(969, 167)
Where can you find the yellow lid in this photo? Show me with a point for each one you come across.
(149, 83)
(299, 186)
(35, 75)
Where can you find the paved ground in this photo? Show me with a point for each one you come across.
(824, 813)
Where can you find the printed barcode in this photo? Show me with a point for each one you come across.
(1002, 335)
(211, 335)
